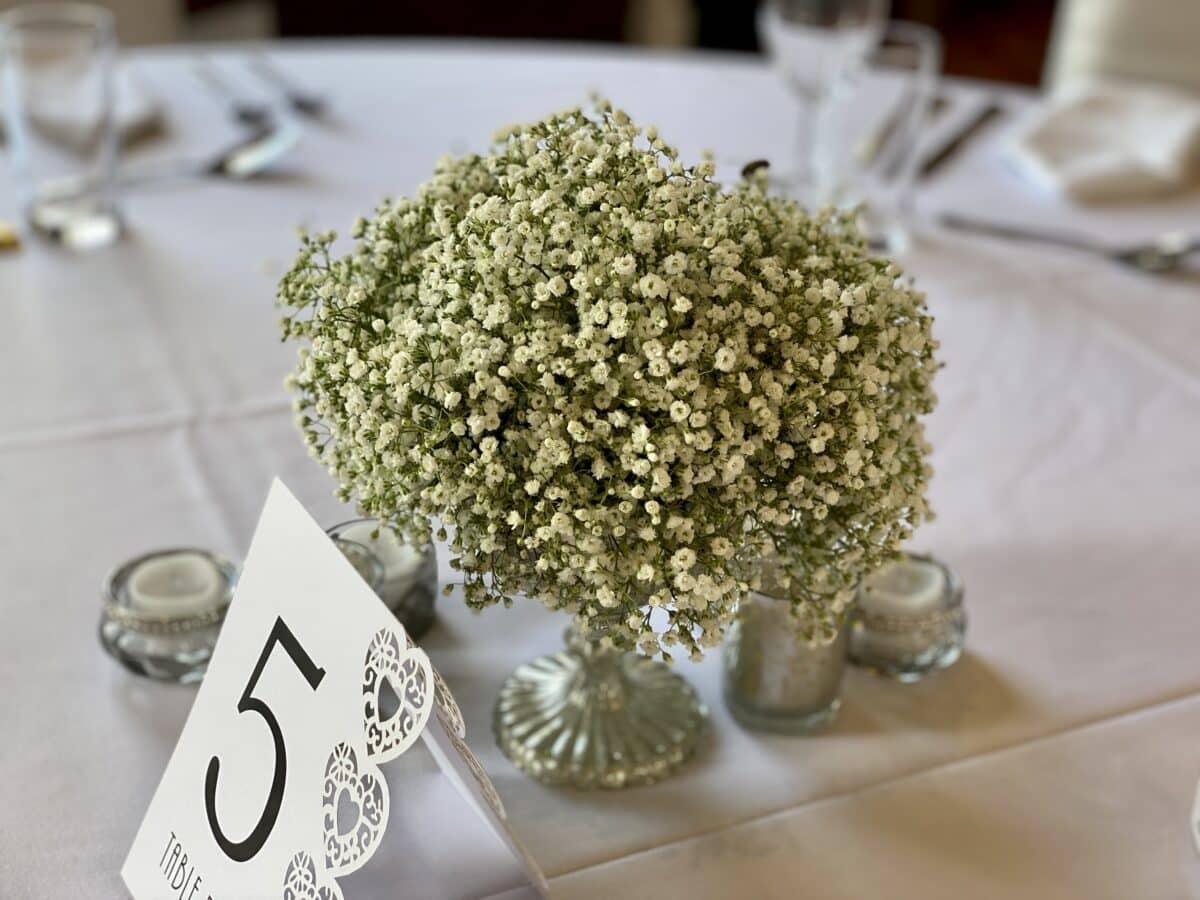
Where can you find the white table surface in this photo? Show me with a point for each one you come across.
(141, 406)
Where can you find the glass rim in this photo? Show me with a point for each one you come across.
(115, 604)
(369, 558)
(950, 604)
(903, 34)
(335, 531)
(58, 14)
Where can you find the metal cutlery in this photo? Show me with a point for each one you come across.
(304, 102)
(1165, 253)
(971, 129)
(872, 146)
(243, 159)
(248, 112)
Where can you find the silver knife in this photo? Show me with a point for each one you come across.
(971, 129)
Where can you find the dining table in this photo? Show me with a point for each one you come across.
(142, 405)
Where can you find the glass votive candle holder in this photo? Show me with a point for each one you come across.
(162, 612)
(908, 618)
(775, 678)
(408, 578)
(365, 563)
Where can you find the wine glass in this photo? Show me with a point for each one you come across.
(818, 46)
(873, 137)
(56, 77)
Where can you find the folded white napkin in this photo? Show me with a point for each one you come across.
(1107, 142)
(137, 113)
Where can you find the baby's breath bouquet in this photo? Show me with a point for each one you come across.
(615, 386)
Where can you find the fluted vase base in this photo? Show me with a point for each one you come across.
(590, 717)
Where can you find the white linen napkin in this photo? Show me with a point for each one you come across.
(1109, 141)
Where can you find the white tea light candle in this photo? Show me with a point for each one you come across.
(176, 583)
(910, 584)
(399, 560)
(908, 618)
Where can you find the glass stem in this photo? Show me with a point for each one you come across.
(805, 147)
(601, 678)
(814, 169)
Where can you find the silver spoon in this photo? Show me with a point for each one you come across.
(244, 159)
(1163, 254)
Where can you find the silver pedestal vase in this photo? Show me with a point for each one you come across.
(595, 717)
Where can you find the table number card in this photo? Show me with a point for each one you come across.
(275, 787)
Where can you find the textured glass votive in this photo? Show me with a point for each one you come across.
(774, 678)
(908, 619)
(408, 575)
(162, 612)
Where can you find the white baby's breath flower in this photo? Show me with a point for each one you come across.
(617, 408)
(652, 286)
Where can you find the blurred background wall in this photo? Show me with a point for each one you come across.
(1021, 41)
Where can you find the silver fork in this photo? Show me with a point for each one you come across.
(248, 112)
(1163, 254)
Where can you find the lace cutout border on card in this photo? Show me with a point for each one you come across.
(347, 849)
(486, 787)
(448, 711)
(300, 881)
(408, 674)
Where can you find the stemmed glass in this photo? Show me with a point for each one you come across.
(873, 135)
(56, 80)
(818, 46)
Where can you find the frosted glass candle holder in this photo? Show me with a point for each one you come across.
(775, 679)
(161, 612)
(908, 619)
(407, 578)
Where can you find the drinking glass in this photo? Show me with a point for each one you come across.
(818, 47)
(56, 81)
(872, 136)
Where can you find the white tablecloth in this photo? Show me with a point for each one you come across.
(141, 406)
